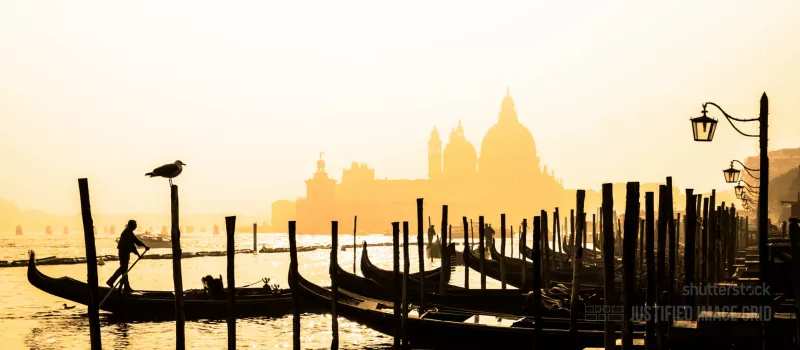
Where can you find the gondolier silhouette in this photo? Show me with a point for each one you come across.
(127, 245)
(431, 235)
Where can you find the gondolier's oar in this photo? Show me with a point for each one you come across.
(120, 278)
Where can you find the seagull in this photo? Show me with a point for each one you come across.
(167, 170)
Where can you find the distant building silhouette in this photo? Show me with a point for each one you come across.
(506, 178)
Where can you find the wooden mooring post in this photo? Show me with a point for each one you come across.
(444, 256)
(481, 251)
(396, 281)
(794, 236)
(255, 238)
(511, 228)
(177, 278)
(577, 260)
(629, 261)
(557, 236)
(651, 342)
(465, 252)
(230, 228)
(661, 261)
(355, 245)
(406, 265)
(523, 238)
(545, 246)
(704, 248)
(293, 285)
(608, 264)
(334, 269)
(502, 251)
(672, 246)
(91, 264)
(689, 246)
(421, 252)
(537, 276)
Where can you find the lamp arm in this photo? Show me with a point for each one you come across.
(744, 166)
(729, 118)
(748, 185)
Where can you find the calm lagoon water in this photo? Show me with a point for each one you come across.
(32, 319)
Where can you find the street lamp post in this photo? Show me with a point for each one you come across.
(703, 129)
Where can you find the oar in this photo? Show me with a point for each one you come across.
(120, 278)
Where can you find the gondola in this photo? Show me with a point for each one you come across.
(432, 277)
(450, 329)
(160, 305)
(590, 275)
(511, 301)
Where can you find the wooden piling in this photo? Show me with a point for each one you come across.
(444, 256)
(502, 251)
(355, 245)
(511, 228)
(704, 243)
(577, 258)
(650, 328)
(255, 238)
(523, 239)
(712, 219)
(594, 235)
(91, 264)
(672, 246)
(293, 285)
(466, 251)
(177, 278)
(406, 265)
(545, 246)
(421, 252)
(661, 263)
(537, 276)
(794, 236)
(557, 236)
(572, 228)
(230, 231)
(608, 264)
(642, 269)
(689, 246)
(481, 252)
(396, 281)
(334, 273)
(629, 262)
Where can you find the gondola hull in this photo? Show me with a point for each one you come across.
(160, 305)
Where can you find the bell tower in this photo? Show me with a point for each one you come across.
(434, 155)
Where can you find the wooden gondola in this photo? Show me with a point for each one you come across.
(450, 329)
(590, 275)
(369, 270)
(160, 305)
(511, 301)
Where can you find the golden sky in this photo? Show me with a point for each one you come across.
(247, 94)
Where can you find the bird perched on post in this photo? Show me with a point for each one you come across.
(168, 170)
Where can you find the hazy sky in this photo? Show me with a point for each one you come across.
(247, 94)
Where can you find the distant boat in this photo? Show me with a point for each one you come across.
(164, 231)
(19, 230)
(48, 230)
(153, 241)
(111, 230)
(202, 229)
(105, 229)
(189, 229)
(216, 229)
(66, 230)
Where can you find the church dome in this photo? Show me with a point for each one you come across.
(459, 155)
(508, 150)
